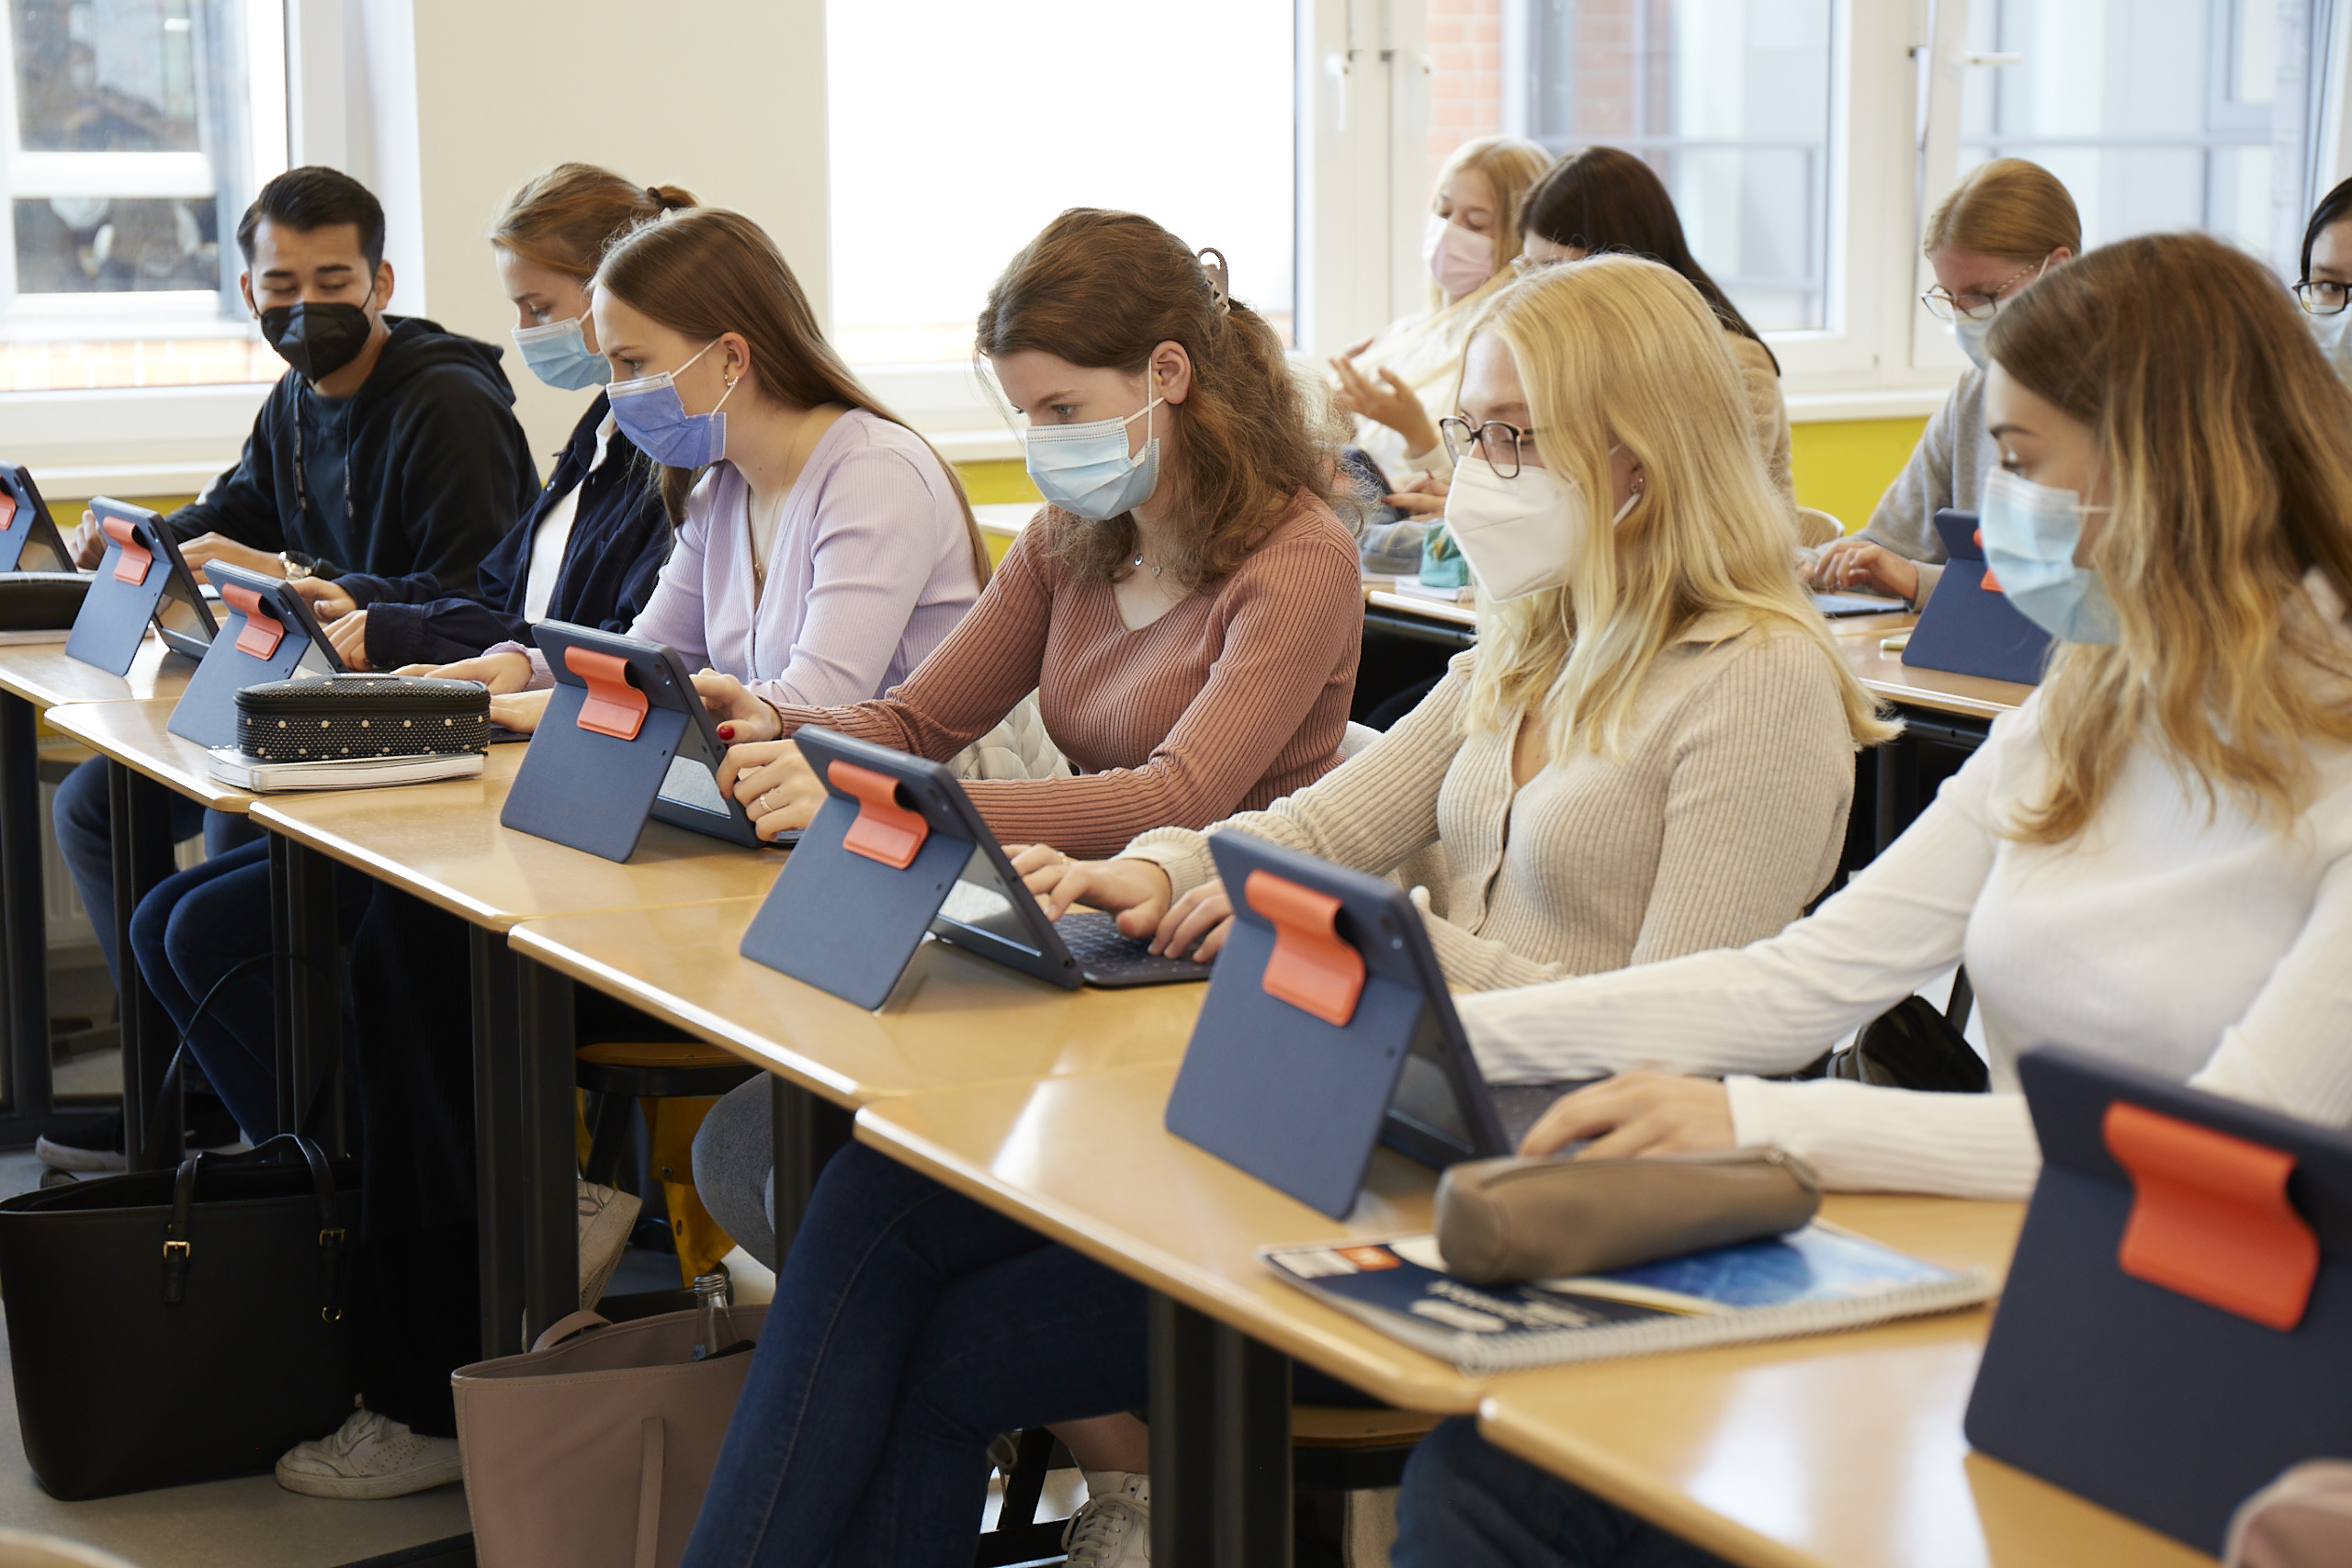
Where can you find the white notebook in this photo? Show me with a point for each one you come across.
(231, 766)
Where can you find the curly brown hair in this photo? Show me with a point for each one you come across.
(1101, 290)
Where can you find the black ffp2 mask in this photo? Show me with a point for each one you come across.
(317, 340)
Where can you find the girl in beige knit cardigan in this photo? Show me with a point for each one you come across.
(1652, 756)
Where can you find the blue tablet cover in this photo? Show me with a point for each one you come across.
(588, 788)
(1968, 629)
(130, 580)
(264, 639)
(1290, 1074)
(2142, 1396)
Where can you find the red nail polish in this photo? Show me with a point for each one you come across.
(727, 732)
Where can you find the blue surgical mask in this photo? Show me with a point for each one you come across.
(2030, 534)
(1085, 469)
(2334, 335)
(558, 354)
(1971, 333)
(652, 415)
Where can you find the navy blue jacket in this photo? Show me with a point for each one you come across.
(438, 466)
(620, 538)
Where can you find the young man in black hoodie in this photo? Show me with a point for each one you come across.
(393, 448)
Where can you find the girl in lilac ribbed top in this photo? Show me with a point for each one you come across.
(870, 569)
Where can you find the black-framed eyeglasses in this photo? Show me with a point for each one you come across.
(1501, 444)
(2322, 296)
(1977, 304)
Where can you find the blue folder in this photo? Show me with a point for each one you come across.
(270, 635)
(625, 737)
(1969, 627)
(2177, 1328)
(140, 579)
(29, 537)
(1328, 1029)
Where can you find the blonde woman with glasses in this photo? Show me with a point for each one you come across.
(2005, 225)
(2151, 860)
(1649, 753)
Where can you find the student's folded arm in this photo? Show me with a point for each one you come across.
(1372, 813)
(442, 631)
(1284, 634)
(456, 505)
(1862, 1138)
(1775, 1004)
(242, 504)
(2288, 1051)
(976, 675)
(875, 551)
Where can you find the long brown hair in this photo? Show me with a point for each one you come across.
(706, 272)
(1605, 198)
(564, 218)
(1101, 290)
(2220, 427)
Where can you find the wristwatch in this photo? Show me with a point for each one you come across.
(297, 565)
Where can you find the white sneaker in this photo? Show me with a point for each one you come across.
(1113, 1529)
(368, 1456)
(606, 1218)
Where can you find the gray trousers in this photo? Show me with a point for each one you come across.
(735, 1166)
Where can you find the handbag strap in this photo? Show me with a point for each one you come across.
(175, 1240)
(334, 1251)
(649, 1492)
(564, 1328)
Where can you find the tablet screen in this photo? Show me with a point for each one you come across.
(980, 901)
(690, 783)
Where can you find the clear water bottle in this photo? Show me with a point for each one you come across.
(714, 1324)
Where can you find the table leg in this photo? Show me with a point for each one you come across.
(498, 1145)
(309, 999)
(1220, 1443)
(142, 857)
(808, 1130)
(24, 927)
(550, 1197)
(1898, 788)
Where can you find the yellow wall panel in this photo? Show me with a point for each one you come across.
(1842, 466)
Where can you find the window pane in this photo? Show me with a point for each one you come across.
(1729, 101)
(91, 244)
(107, 75)
(955, 139)
(2157, 114)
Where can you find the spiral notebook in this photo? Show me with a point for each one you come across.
(1814, 1281)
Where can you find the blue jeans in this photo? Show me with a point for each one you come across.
(84, 817)
(909, 1326)
(1466, 1504)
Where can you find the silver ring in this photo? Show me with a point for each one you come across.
(767, 802)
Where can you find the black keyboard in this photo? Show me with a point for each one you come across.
(1106, 955)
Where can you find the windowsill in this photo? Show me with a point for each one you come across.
(1901, 402)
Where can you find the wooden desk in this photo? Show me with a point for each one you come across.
(1086, 1160)
(1969, 696)
(1844, 1449)
(35, 676)
(955, 1019)
(443, 843)
(137, 734)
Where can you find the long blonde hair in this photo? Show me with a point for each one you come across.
(2221, 430)
(1616, 351)
(1425, 349)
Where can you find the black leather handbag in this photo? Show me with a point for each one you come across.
(1911, 1045)
(168, 1326)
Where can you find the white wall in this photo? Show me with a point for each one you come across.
(725, 97)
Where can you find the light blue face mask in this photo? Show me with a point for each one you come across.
(558, 354)
(651, 415)
(1971, 333)
(1085, 469)
(2334, 335)
(2030, 534)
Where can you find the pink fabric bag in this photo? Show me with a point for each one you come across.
(593, 1449)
